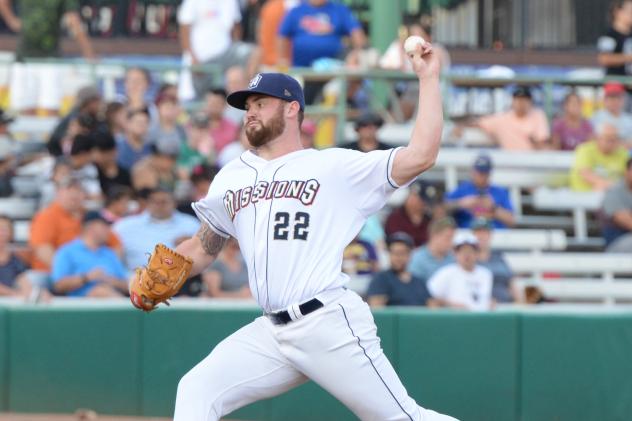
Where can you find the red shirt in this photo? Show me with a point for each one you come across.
(225, 133)
(398, 221)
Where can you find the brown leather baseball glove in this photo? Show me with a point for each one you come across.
(161, 279)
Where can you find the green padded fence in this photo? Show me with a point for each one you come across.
(492, 366)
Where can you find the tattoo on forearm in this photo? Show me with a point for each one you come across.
(211, 241)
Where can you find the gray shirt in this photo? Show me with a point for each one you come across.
(231, 281)
(618, 197)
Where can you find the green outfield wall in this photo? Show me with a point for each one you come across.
(495, 366)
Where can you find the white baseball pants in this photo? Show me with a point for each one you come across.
(336, 346)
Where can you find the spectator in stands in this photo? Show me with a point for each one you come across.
(136, 84)
(617, 211)
(209, 35)
(156, 170)
(502, 289)
(34, 85)
(614, 45)
(227, 277)
(480, 198)
(84, 118)
(313, 30)
(59, 223)
(236, 79)
(613, 111)
(167, 132)
(463, 284)
(436, 253)
(159, 223)
(397, 286)
(134, 146)
(599, 163)
(522, 128)
(13, 279)
(117, 204)
(116, 119)
(270, 18)
(360, 262)
(87, 267)
(198, 133)
(105, 155)
(82, 167)
(199, 182)
(48, 189)
(223, 131)
(571, 129)
(367, 126)
(414, 216)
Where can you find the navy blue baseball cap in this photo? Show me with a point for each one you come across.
(483, 164)
(278, 85)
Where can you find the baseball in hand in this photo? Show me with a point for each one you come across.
(410, 45)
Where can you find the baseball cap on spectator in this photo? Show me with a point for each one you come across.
(463, 238)
(522, 92)
(87, 94)
(369, 119)
(613, 89)
(428, 192)
(92, 216)
(81, 144)
(400, 237)
(483, 164)
(277, 85)
(481, 223)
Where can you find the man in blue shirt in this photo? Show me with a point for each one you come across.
(315, 29)
(86, 267)
(479, 198)
(397, 286)
(160, 223)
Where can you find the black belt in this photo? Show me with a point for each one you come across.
(283, 317)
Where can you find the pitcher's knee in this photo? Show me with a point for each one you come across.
(199, 397)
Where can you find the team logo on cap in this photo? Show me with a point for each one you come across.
(255, 81)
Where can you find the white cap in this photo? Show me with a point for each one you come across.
(464, 237)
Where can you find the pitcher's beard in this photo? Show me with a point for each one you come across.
(264, 133)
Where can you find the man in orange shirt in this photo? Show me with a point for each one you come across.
(522, 128)
(59, 224)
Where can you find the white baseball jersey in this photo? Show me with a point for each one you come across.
(294, 215)
(456, 285)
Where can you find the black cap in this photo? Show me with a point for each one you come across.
(92, 216)
(522, 92)
(400, 237)
(429, 193)
(369, 119)
(278, 85)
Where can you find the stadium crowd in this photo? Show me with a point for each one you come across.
(119, 176)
